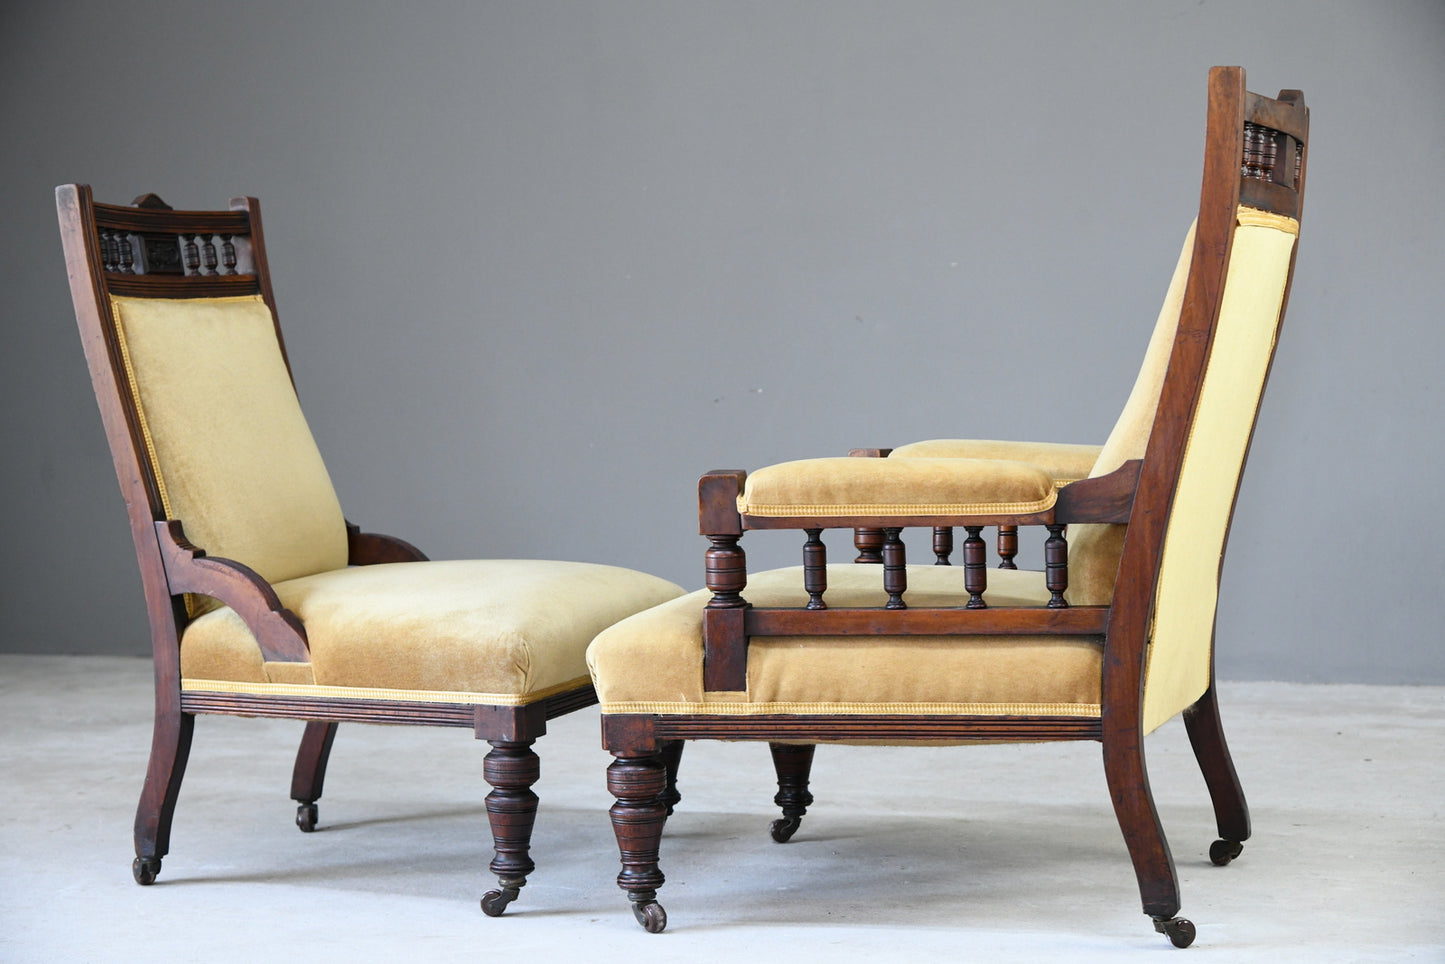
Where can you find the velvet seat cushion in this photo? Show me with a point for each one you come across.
(652, 662)
(494, 631)
(844, 487)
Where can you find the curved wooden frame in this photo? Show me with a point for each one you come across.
(149, 250)
(1255, 153)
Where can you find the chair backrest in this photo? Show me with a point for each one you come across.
(188, 365)
(1230, 304)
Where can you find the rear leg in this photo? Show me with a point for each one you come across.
(170, 748)
(1231, 813)
(310, 772)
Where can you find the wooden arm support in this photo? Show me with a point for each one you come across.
(372, 548)
(277, 629)
(1108, 498)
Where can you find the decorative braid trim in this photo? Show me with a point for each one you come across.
(377, 693)
(1090, 710)
(849, 510)
(1255, 218)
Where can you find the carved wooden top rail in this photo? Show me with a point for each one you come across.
(150, 250)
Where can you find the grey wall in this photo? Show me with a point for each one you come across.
(540, 265)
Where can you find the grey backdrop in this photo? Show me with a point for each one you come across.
(542, 264)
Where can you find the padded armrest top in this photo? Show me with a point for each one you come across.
(853, 487)
(1066, 462)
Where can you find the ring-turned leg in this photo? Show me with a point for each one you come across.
(511, 768)
(1231, 813)
(170, 748)
(1128, 781)
(793, 762)
(637, 819)
(309, 773)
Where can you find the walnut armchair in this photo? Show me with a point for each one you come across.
(263, 600)
(1111, 639)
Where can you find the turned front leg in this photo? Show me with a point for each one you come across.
(638, 817)
(511, 769)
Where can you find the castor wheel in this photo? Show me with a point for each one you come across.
(1222, 852)
(145, 869)
(496, 901)
(784, 828)
(1179, 930)
(651, 916)
(307, 816)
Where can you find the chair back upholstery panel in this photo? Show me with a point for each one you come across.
(232, 454)
(1094, 549)
(1178, 660)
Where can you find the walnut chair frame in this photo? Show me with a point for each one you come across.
(150, 251)
(1255, 155)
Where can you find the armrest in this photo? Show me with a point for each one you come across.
(1066, 462)
(277, 629)
(371, 548)
(890, 492)
(1108, 498)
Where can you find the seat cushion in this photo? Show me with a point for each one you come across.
(882, 488)
(504, 632)
(652, 662)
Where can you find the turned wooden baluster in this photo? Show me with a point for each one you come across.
(108, 254)
(127, 257)
(895, 571)
(1056, 566)
(192, 254)
(726, 572)
(942, 545)
(815, 568)
(208, 254)
(228, 254)
(1008, 546)
(869, 543)
(975, 567)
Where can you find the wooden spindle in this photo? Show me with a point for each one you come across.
(1008, 546)
(1056, 566)
(869, 543)
(127, 257)
(192, 254)
(975, 567)
(108, 253)
(895, 569)
(228, 254)
(815, 568)
(726, 572)
(208, 254)
(942, 545)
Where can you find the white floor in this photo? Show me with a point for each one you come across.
(1004, 853)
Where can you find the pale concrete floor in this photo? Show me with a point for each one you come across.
(1003, 853)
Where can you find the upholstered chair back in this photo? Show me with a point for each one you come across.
(233, 457)
(1178, 662)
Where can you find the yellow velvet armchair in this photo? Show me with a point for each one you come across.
(263, 600)
(1112, 638)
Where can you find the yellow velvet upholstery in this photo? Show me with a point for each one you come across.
(1177, 671)
(842, 487)
(652, 662)
(232, 451)
(1064, 461)
(491, 631)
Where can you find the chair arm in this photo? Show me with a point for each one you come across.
(278, 631)
(1108, 498)
(371, 548)
(889, 493)
(1064, 461)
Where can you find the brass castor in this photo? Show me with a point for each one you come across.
(651, 916)
(496, 901)
(307, 816)
(1222, 852)
(1179, 930)
(145, 869)
(783, 829)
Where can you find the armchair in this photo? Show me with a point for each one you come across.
(263, 600)
(1111, 639)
